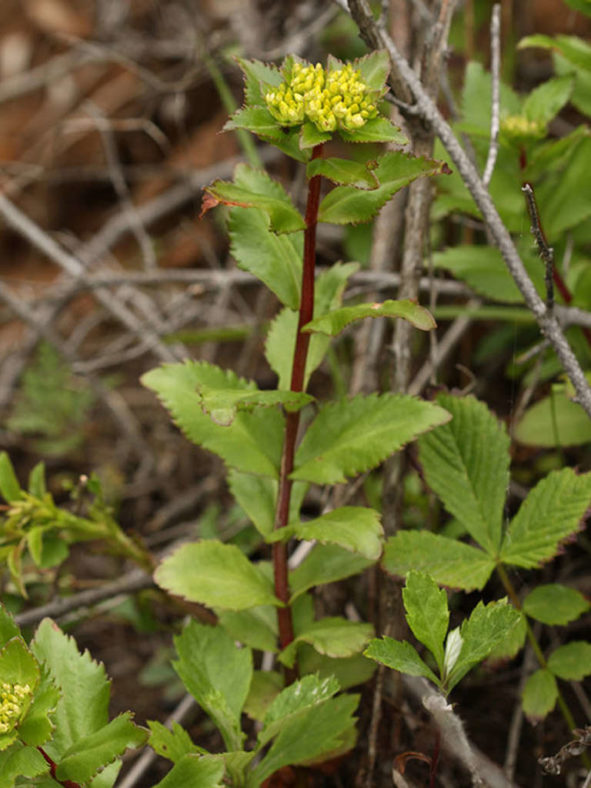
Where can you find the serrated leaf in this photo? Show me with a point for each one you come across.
(476, 99)
(308, 736)
(356, 528)
(17, 664)
(9, 486)
(252, 443)
(348, 671)
(170, 743)
(217, 674)
(8, 629)
(345, 172)
(574, 49)
(378, 129)
(255, 628)
(280, 344)
(215, 574)
(401, 656)
(37, 727)
(21, 761)
(83, 707)
(539, 695)
(87, 755)
(373, 68)
(347, 205)
(274, 259)
(546, 101)
(310, 136)
(427, 613)
(205, 771)
(555, 604)
(223, 405)
(325, 564)
(334, 322)
(304, 694)
(37, 486)
(257, 496)
(554, 421)
(352, 436)
(257, 74)
(571, 662)
(487, 625)
(552, 512)
(253, 188)
(510, 646)
(257, 120)
(449, 562)
(331, 636)
(466, 462)
(566, 201)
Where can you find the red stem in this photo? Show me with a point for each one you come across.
(53, 770)
(292, 420)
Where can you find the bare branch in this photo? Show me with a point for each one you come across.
(495, 73)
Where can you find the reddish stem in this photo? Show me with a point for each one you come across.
(292, 420)
(53, 770)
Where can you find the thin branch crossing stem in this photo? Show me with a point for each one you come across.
(292, 420)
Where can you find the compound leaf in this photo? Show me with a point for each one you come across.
(352, 436)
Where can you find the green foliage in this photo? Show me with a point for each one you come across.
(334, 322)
(555, 604)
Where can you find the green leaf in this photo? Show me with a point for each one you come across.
(351, 436)
(257, 496)
(86, 756)
(466, 462)
(554, 421)
(574, 49)
(301, 696)
(584, 6)
(18, 665)
(222, 405)
(258, 76)
(375, 130)
(348, 205)
(205, 771)
(510, 646)
(255, 628)
(345, 172)
(83, 708)
(257, 120)
(172, 744)
(21, 761)
(334, 322)
(449, 562)
(348, 671)
(264, 688)
(274, 259)
(546, 101)
(253, 188)
(310, 136)
(487, 625)
(215, 574)
(9, 486)
(555, 604)
(551, 513)
(571, 662)
(427, 613)
(374, 68)
(8, 629)
(539, 695)
(325, 564)
(282, 334)
(332, 636)
(356, 528)
(37, 727)
(217, 674)
(37, 486)
(476, 99)
(566, 202)
(308, 736)
(252, 443)
(401, 656)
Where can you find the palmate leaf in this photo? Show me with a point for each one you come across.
(217, 673)
(466, 462)
(348, 205)
(352, 436)
(325, 564)
(252, 443)
(334, 322)
(253, 188)
(280, 344)
(215, 574)
(552, 512)
(401, 656)
(356, 528)
(333, 637)
(274, 259)
(427, 613)
(449, 562)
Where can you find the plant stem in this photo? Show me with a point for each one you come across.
(292, 419)
(512, 594)
(53, 770)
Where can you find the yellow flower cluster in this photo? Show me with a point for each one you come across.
(12, 702)
(518, 127)
(338, 99)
